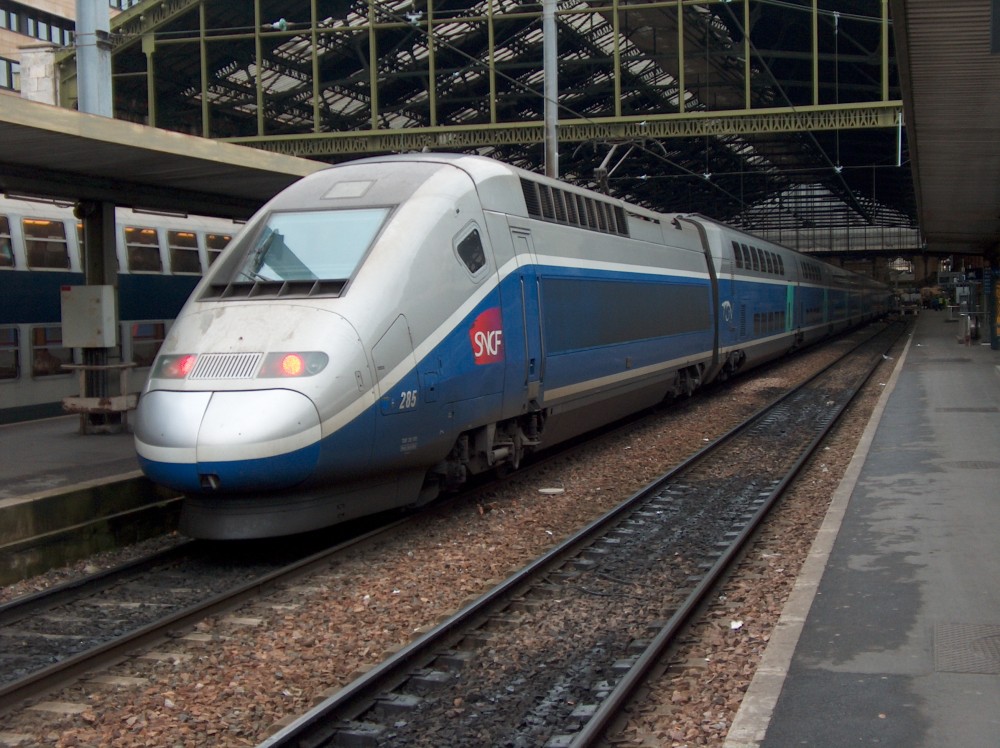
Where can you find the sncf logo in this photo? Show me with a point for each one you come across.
(486, 336)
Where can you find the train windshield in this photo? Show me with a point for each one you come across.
(313, 245)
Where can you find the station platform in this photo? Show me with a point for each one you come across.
(64, 495)
(892, 634)
(51, 454)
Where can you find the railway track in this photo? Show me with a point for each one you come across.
(53, 636)
(25, 626)
(550, 656)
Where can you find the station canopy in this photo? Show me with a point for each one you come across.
(779, 116)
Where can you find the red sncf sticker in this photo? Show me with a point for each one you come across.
(486, 336)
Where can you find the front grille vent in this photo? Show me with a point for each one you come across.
(273, 289)
(226, 366)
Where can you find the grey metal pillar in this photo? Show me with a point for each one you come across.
(93, 71)
(551, 91)
(93, 57)
(99, 269)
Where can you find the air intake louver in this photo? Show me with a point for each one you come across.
(226, 366)
(562, 206)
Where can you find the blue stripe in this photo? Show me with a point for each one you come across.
(265, 474)
(33, 297)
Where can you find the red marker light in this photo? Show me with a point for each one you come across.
(292, 365)
(185, 364)
(174, 366)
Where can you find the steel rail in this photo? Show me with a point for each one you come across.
(619, 696)
(321, 723)
(40, 681)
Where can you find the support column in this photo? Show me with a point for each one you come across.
(551, 88)
(99, 268)
(93, 49)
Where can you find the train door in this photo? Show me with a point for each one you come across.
(790, 307)
(527, 271)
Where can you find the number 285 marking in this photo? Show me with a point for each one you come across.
(407, 399)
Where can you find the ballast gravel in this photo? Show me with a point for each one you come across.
(234, 679)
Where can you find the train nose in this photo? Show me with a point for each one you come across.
(256, 440)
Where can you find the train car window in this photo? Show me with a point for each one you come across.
(183, 252)
(622, 220)
(545, 194)
(6, 248)
(737, 255)
(311, 245)
(215, 243)
(560, 201)
(769, 258)
(572, 214)
(602, 217)
(470, 251)
(47, 352)
(609, 217)
(146, 340)
(9, 368)
(530, 191)
(781, 265)
(142, 246)
(45, 243)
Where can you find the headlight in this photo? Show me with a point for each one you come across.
(293, 364)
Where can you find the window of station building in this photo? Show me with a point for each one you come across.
(6, 247)
(10, 74)
(215, 243)
(36, 23)
(9, 19)
(183, 252)
(45, 243)
(9, 368)
(47, 352)
(147, 337)
(142, 247)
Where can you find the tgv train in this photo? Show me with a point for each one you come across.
(386, 328)
(160, 260)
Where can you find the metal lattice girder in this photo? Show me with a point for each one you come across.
(723, 102)
(842, 117)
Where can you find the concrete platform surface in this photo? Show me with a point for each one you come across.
(892, 636)
(49, 455)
